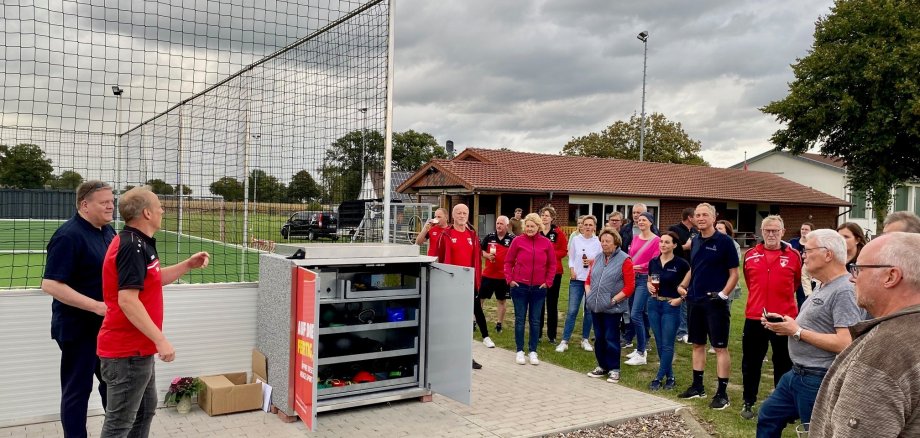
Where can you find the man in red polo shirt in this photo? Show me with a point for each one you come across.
(131, 333)
(459, 246)
(432, 231)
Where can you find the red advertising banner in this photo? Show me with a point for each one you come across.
(305, 351)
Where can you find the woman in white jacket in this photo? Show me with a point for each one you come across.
(583, 248)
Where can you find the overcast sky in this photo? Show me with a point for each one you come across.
(530, 75)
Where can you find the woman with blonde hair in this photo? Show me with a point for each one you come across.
(529, 269)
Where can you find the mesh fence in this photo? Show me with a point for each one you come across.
(239, 114)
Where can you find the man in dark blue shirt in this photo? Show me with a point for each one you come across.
(713, 276)
(73, 276)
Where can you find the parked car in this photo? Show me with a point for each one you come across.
(311, 225)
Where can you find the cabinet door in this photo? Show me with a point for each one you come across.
(450, 311)
(306, 312)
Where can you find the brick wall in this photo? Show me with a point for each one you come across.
(794, 215)
(559, 202)
(670, 211)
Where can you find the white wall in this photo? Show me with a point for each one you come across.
(212, 327)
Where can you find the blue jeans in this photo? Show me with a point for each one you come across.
(132, 395)
(528, 301)
(607, 340)
(664, 319)
(682, 328)
(793, 398)
(576, 295)
(638, 312)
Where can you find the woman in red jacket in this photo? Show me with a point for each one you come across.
(529, 268)
(561, 248)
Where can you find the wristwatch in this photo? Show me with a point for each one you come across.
(798, 334)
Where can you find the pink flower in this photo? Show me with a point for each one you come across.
(176, 380)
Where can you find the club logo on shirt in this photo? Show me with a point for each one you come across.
(817, 301)
(711, 248)
(469, 240)
(453, 240)
(783, 261)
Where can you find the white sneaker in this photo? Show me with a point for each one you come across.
(685, 339)
(638, 359)
(613, 377)
(533, 358)
(563, 345)
(586, 345)
(487, 341)
(520, 358)
(633, 354)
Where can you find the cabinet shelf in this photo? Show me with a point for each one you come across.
(367, 327)
(368, 356)
(401, 381)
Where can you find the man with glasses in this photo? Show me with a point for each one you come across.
(615, 220)
(815, 336)
(73, 276)
(773, 271)
(873, 387)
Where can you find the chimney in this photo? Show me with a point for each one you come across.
(450, 147)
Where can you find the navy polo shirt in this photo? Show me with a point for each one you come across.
(670, 275)
(75, 254)
(710, 260)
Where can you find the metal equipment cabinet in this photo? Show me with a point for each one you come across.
(350, 325)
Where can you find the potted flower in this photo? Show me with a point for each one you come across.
(181, 391)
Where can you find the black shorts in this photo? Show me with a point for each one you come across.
(488, 286)
(709, 317)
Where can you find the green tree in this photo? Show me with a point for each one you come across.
(24, 166)
(665, 142)
(265, 188)
(412, 149)
(303, 187)
(230, 188)
(68, 179)
(160, 187)
(857, 96)
(186, 190)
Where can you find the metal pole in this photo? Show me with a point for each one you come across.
(388, 127)
(244, 255)
(644, 38)
(179, 187)
(363, 153)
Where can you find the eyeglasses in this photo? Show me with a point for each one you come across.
(805, 250)
(772, 231)
(854, 269)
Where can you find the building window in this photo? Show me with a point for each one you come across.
(901, 196)
(859, 205)
(917, 200)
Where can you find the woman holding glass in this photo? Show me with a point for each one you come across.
(666, 272)
(529, 269)
(642, 250)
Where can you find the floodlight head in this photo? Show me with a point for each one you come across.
(643, 36)
(116, 90)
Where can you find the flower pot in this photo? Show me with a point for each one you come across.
(184, 405)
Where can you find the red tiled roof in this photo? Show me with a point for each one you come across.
(832, 161)
(523, 172)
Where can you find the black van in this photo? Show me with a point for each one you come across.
(312, 225)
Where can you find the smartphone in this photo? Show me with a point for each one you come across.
(771, 318)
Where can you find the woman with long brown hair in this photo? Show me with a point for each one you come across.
(855, 239)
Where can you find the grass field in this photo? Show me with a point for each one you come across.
(726, 423)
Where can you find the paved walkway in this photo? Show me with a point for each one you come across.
(508, 400)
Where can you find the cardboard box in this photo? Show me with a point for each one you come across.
(259, 367)
(226, 393)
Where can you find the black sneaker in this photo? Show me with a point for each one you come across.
(693, 392)
(655, 385)
(498, 327)
(719, 402)
(747, 411)
(669, 384)
(476, 365)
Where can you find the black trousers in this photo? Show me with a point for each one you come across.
(551, 318)
(480, 316)
(754, 342)
(79, 364)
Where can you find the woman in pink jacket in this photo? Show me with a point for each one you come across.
(529, 269)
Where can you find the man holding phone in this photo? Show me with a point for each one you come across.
(773, 270)
(815, 336)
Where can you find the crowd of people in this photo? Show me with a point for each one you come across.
(806, 303)
(832, 306)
